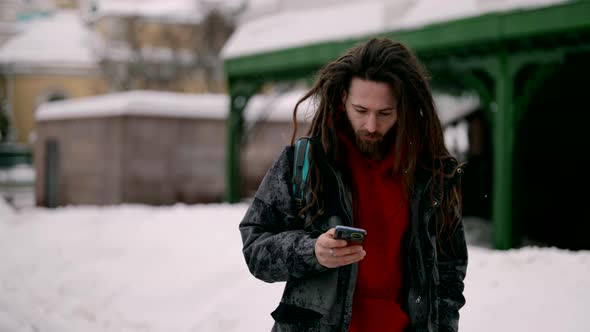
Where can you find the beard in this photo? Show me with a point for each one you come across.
(377, 145)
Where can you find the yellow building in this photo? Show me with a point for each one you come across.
(87, 51)
(47, 60)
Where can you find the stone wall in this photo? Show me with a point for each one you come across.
(150, 160)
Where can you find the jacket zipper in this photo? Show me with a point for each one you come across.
(347, 211)
(420, 266)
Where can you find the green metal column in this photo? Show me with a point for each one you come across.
(234, 137)
(503, 155)
(240, 94)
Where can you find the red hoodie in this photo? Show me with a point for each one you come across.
(381, 209)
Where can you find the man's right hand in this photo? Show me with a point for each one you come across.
(333, 253)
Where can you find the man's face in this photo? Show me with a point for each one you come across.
(371, 108)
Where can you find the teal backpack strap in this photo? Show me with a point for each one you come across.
(301, 170)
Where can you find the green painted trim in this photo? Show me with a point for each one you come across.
(287, 63)
(539, 57)
(485, 94)
(569, 17)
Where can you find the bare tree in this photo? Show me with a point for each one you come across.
(167, 56)
(215, 30)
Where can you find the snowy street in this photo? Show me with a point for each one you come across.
(180, 268)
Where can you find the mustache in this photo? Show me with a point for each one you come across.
(368, 134)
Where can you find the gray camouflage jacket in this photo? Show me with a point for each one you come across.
(278, 246)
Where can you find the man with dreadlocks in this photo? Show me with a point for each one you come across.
(378, 162)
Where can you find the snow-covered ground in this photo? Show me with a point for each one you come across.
(180, 268)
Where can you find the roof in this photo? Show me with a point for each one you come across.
(299, 27)
(543, 26)
(271, 107)
(425, 12)
(350, 19)
(139, 102)
(59, 40)
(278, 107)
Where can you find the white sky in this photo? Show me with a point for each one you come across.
(180, 268)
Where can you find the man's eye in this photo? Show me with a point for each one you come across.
(361, 110)
(386, 113)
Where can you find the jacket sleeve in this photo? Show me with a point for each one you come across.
(452, 266)
(275, 246)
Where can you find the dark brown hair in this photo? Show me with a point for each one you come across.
(419, 135)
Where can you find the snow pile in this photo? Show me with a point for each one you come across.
(17, 174)
(6, 212)
(530, 289)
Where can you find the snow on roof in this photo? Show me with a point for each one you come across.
(279, 107)
(146, 103)
(270, 107)
(300, 27)
(170, 104)
(451, 108)
(295, 28)
(426, 12)
(172, 10)
(59, 40)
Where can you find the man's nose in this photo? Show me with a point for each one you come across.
(371, 123)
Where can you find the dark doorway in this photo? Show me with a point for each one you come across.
(551, 159)
(477, 182)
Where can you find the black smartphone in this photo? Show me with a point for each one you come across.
(350, 234)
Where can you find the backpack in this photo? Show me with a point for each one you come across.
(301, 170)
